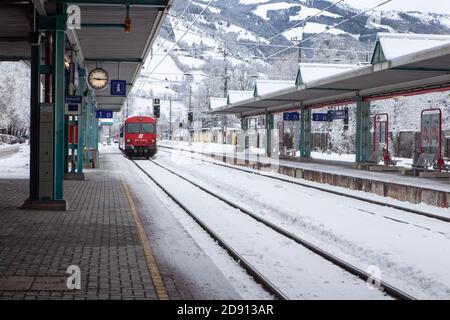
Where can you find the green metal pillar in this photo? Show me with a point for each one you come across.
(66, 125)
(87, 135)
(268, 122)
(58, 100)
(244, 124)
(305, 133)
(66, 144)
(81, 122)
(363, 143)
(35, 100)
(95, 133)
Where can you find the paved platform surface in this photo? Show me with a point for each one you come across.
(187, 271)
(100, 235)
(97, 233)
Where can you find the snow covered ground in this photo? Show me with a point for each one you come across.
(411, 251)
(15, 165)
(298, 272)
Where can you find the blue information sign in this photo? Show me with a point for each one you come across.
(73, 99)
(291, 116)
(320, 117)
(104, 114)
(339, 114)
(118, 87)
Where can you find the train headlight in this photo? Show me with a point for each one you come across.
(153, 140)
(128, 140)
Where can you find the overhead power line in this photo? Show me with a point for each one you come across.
(161, 45)
(179, 20)
(298, 23)
(264, 44)
(333, 27)
(179, 40)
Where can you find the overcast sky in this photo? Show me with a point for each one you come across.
(438, 6)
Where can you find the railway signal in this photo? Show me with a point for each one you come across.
(156, 113)
(156, 105)
(190, 116)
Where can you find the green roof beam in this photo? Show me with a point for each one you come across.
(131, 60)
(149, 3)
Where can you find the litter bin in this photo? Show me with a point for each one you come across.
(93, 153)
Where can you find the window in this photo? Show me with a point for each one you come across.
(148, 128)
(133, 127)
(141, 128)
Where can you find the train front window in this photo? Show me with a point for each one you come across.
(133, 127)
(148, 128)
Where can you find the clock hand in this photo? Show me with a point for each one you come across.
(100, 79)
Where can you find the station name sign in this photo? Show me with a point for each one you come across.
(291, 116)
(102, 114)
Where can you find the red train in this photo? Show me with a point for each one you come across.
(138, 137)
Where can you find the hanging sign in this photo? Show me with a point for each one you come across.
(118, 87)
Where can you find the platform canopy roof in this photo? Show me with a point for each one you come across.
(100, 42)
(308, 72)
(215, 103)
(236, 95)
(266, 86)
(423, 70)
(394, 45)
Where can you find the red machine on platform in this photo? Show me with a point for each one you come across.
(138, 137)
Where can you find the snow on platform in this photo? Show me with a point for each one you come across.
(15, 161)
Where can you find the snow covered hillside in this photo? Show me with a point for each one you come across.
(230, 40)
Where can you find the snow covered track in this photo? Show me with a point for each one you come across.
(324, 268)
(269, 286)
(324, 189)
(392, 291)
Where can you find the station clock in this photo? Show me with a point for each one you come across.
(98, 78)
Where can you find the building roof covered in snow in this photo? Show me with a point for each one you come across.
(215, 103)
(263, 87)
(393, 45)
(313, 71)
(421, 71)
(235, 96)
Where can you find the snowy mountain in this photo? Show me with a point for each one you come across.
(236, 37)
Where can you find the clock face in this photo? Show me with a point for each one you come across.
(98, 78)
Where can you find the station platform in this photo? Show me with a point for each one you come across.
(413, 189)
(114, 230)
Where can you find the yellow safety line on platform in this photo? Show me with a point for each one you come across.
(149, 257)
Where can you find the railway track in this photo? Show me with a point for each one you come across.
(269, 286)
(251, 270)
(344, 194)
